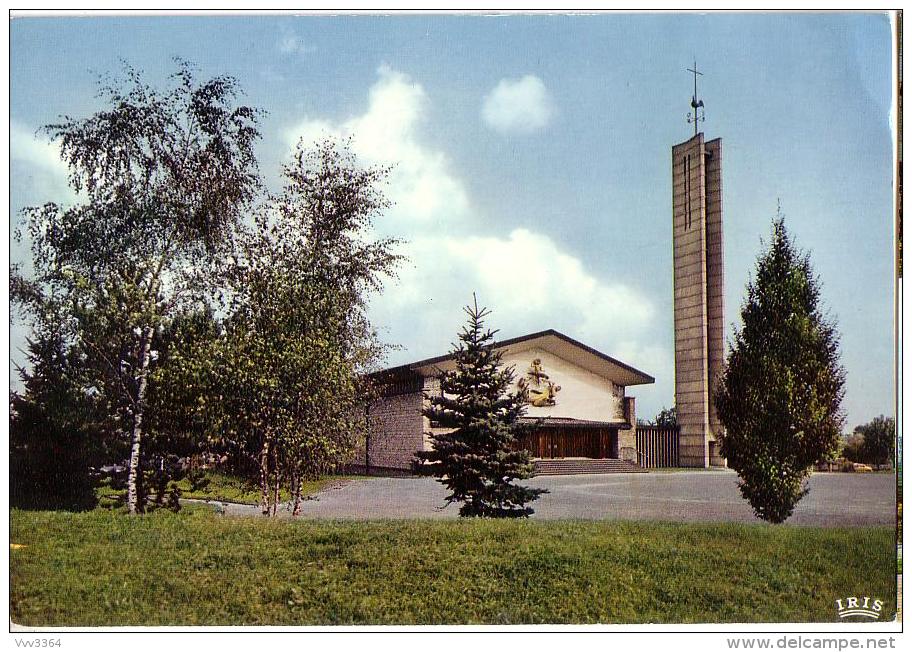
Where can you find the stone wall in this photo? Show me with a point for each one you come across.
(627, 438)
(395, 432)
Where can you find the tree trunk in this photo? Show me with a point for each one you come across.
(275, 492)
(134, 479)
(264, 478)
(296, 494)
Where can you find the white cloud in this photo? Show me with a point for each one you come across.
(518, 105)
(40, 160)
(421, 185)
(291, 43)
(27, 146)
(527, 278)
(531, 282)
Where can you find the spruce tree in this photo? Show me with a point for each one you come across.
(55, 440)
(779, 397)
(475, 458)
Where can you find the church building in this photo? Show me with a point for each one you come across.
(578, 396)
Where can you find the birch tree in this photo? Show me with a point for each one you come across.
(298, 340)
(162, 179)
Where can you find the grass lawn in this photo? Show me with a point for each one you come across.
(107, 568)
(222, 487)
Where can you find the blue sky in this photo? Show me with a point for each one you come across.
(532, 156)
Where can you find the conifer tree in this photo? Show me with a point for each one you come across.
(475, 458)
(780, 394)
(55, 439)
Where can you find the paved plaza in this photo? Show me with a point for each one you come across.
(835, 499)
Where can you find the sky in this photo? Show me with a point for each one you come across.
(531, 157)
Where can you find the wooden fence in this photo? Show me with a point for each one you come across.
(657, 447)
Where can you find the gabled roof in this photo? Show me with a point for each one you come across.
(549, 340)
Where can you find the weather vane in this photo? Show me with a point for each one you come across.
(698, 115)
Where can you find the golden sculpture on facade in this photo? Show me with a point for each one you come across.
(540, 391)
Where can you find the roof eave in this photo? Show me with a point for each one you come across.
(640, 377)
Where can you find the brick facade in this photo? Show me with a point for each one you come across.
(395, 433)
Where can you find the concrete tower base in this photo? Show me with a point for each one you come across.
(698, 295)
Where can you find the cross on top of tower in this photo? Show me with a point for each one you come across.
(697, 116)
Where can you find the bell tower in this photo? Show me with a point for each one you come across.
(698, 289)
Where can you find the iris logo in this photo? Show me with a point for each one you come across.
(864, 607)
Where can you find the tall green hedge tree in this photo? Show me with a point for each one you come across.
(779, 398)
(476, 458)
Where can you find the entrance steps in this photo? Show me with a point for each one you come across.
(572, 466)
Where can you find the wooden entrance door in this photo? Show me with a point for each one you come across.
(557, 442)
